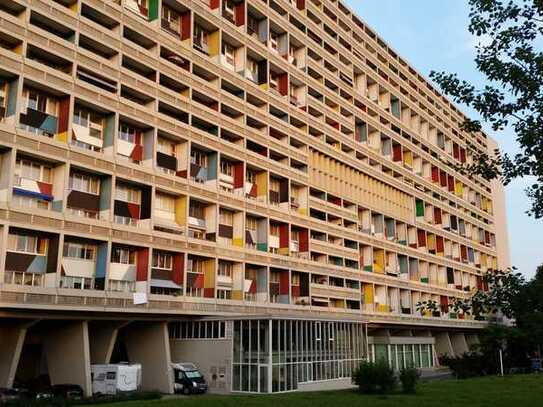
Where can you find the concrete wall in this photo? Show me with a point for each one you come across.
(212, 356)
(500, 217)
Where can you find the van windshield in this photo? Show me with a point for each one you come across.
(193, 374)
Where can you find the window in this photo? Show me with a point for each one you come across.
(165, 202)
(274, 38)
(223, 294)
(127, 133)
(274, 185)
(225, 269)
(83, 213)
(170, 20)
(78, 283)
(196, 210)
(252, 25)
(195, 265)
(29, 202)
(200, 38)
(252, 67)
(227, 168)
(166, 146)
(90, 119)
(31, 170)
(162, 260)
(121, 255)
(198, 158)
(84, 183)
(251, 176)
(226, 217)
(229, 54)
(26, 244)
(274, 229)
(37, 101)
(128, 194)
(79, 251)
(41, 102)
(251, 223)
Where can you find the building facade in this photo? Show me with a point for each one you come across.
(263, 187)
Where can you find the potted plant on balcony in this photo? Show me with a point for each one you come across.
(428, 308)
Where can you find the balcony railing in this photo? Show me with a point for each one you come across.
(24, 278)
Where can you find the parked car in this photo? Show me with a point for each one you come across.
(188, 379)
(8, 395)
(65, 391)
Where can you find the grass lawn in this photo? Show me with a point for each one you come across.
(512, 391)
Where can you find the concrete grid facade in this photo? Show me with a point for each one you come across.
(166, 161)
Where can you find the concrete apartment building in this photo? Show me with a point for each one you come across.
(261, 187)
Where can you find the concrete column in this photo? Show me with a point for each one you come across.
(443, 344)
(102, 337)
(12, 337)
(459, 344)
(148, 344)
(472, 341)
(68, 356)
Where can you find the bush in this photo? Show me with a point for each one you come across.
(468, 365)
(409, 378)
(374, 378)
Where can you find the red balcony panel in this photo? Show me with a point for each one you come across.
(284, 282)
(397, 152)
(304, 240)
(142, 266)
(239, 14)
(238, 175)
(283, 235)
(435, 174)
(178, 270)
(421, 237)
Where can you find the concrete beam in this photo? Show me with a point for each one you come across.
(68, 356)
(12, 337)
(148, 344)
(443, 344)
(102, 338)
(459, 344)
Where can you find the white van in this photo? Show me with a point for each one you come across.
(111, 379)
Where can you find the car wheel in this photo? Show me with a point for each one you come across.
(186, 391)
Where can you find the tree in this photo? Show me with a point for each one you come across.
(509, 56)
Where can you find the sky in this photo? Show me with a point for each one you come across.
(433, 35)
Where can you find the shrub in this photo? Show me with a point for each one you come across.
(468, 365)
(409, 378)
(372, 378)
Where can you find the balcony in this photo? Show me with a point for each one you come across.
(38, 122)
(29, 279)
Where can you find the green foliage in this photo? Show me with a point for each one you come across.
(374, 378)
(430, 306)
(468, 365)
(409, 378)
(510, 56)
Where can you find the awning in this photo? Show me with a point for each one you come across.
(164, 284)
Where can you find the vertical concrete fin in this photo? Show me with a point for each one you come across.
(443, 344)
(11, 343)
(459, 344)
(148, 344)
(68, 355)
